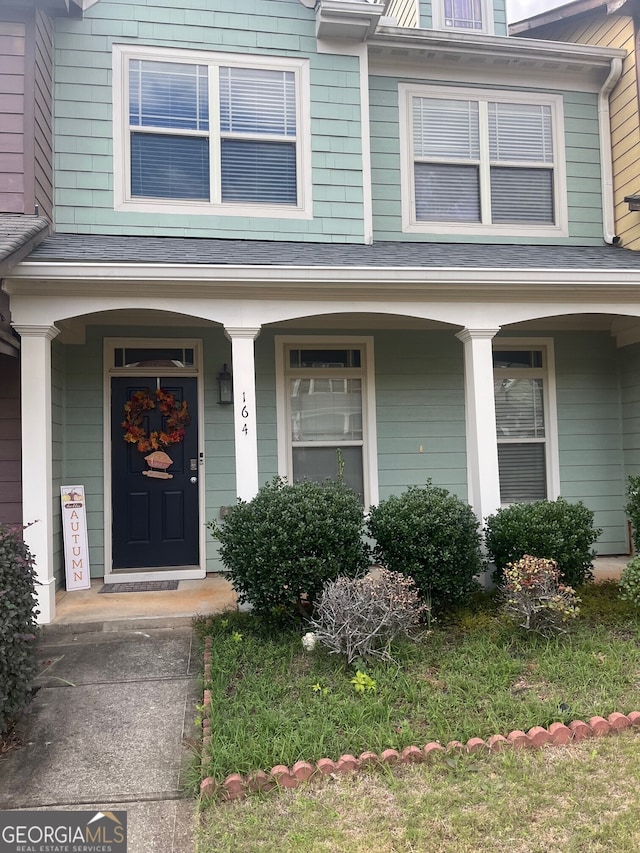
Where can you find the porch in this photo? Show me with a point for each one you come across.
(89, 610)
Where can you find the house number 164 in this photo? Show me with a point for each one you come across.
(245, 414)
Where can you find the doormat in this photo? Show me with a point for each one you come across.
(142, 586)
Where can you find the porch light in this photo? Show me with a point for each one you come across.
(633, 201)
(225, 386)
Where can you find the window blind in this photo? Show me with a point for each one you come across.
(522, 472)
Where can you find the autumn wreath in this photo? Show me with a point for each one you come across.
(176, 419)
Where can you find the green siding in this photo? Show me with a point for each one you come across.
(629, 364)
(584, 196)
(419, 412)
(83, 110)
(589, 430)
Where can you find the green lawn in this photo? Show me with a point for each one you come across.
(584, 798)
(472, 675)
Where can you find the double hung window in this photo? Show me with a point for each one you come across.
(324, 409)
(483, 162)
(525, 431)
(203, 130)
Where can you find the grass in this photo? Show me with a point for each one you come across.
(472, 675)
(581, 799)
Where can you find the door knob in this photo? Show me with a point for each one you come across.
(193, 479)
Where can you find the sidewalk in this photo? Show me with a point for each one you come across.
(110, 729)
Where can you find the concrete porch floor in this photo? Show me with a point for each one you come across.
(87, 610)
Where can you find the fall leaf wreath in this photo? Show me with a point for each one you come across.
(176, 419)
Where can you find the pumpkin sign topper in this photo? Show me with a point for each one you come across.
(176, 419)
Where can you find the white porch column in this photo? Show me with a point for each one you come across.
(244, 409)
(37, 469)
(480, 414)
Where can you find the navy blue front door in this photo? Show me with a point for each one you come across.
(155, 520)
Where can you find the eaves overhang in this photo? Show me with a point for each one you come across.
(497, 51)
(342, 283)
(355, 20)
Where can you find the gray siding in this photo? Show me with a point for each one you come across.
(26, 155)
(43, 115)
(12, 108)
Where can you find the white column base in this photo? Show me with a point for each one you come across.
(46, 593)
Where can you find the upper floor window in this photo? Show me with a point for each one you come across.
(462, 15)
(196, 131)
(482, 162)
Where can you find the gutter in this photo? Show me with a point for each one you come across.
(606, 166)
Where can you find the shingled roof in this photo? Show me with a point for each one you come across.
(100, 249)
(19, 234)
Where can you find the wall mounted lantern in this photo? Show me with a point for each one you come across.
(225, 386)
(633, 201)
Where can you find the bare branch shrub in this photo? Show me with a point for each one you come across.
(534, 596)
(360, 617)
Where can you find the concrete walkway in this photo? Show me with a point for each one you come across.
(110, 728)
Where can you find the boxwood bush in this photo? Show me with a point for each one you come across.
(17, 625)
(557, 530)
(432, 536)
(283, 546)
(633, 509)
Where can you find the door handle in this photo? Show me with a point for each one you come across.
(193, 479)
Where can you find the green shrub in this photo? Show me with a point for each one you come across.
(556, 530)
(629, 585)
(284, 545)
(17, 625)
(633, 508)
(535, 598)
(432, 536)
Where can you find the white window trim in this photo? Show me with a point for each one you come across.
(122, 199)
(552, 458)
(109, 345)
(437, 17)
(369, 431)
(411, 225)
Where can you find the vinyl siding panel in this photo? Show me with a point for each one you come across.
(12, 106)
(43, 119)
(614, 31)
(589, 432)
(406, 12)
(84, 188)
(582, 147)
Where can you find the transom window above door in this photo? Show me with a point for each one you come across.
(482, 162)
(196, 131)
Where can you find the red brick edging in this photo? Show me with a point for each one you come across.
(236, 786)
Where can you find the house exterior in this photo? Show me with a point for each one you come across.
(26, 194)
(389, 226)
(612, 24)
